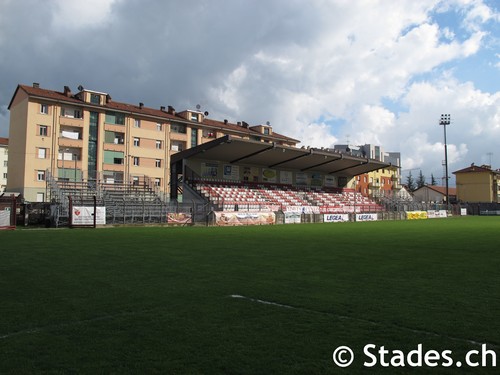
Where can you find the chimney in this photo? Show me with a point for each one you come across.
(171, 110)
(36, 85)
(108, 98)
(141, 105)
(162, 108)
(244, 124)
(67, 91)
(238, 123)
(225, 121)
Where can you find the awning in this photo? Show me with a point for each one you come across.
(235, 150)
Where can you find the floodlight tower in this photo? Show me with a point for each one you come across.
(446, 120)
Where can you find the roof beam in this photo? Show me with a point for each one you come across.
(291, 159)
(253, 154)
(351, 166)
(320, 164)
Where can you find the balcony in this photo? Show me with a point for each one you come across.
(113, 167)
(71, 121)
(374, 185)
(207, 134)
(178, 136)
(69, 164)
(68, 142)
(114, 146)
(114, 128)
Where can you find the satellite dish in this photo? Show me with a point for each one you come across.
(198, 107)
(80, 88)
(268, 123)
(206, 113)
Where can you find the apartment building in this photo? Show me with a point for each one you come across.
(478, 184)
(381, 182)
(4, 160)
(378, 183)
(87, 136)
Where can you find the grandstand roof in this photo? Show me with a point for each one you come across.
(231, 149)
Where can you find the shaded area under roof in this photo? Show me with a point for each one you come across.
(269, 155)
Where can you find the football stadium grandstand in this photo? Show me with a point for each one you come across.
(229, 175)
(134, 164)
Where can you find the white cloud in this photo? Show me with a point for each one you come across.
(76, 14)
(380, 71)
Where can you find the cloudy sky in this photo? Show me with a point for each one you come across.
(323, 71)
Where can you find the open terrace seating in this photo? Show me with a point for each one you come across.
(247, 196)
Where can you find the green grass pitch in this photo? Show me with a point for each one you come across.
(162, 300)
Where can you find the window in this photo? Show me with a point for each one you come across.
(112, 137)
(5, 163)
(71, 112)
(194, 137)
(95, 99)
(194, 117)
(137, 142)
(40, 197)
(158, 145)
(157, 182)
(113, 157)
(136, 161)
(43, 130)
(40, 175)
(5, 175)
(137, 123)
(178, 128)
(266, 131)
(44, 108)
(115, 118)
(209, 133)
(177, 146)
(42, 153)
(158, 163)
(159, 127)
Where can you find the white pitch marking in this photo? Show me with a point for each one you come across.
(69, 324)
(379, 324)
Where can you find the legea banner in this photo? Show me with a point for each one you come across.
(335, 218)
(366, 217)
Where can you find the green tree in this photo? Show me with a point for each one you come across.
(410, 182)
(420, 180)
(433, 180)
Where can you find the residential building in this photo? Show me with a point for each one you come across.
(88, 136)
(434, 194)
(4, 159)
(478, 184)
(380, 182)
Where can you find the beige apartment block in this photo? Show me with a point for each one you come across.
(87, 137)
(478, 184)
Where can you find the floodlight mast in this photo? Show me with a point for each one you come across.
(444, 121)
